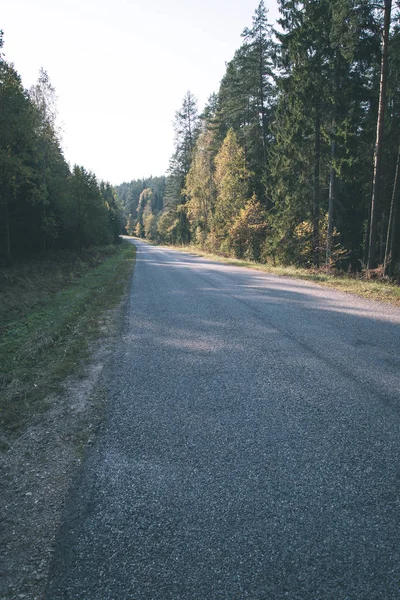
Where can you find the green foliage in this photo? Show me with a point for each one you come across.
(279, 167)
(17, 142)
(249, 230)
(139, 229)
(88, 218)
(231, 181)
(200, 187)
(42, 204)
(133, 204)
(114, 209)
(51, 307)
(302, 238)
(130, 225)
(174, 222)
(165, 227)
(150, 227)
(246, 99)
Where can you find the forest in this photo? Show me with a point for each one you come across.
(45, 204)
(295, 160)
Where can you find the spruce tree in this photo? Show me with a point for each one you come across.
(17, 144)
(260, 84)
(378, 150)
(186, 131)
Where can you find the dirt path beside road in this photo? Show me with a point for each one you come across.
(38, 470)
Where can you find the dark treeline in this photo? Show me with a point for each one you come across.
(43, 203)
(296, 158)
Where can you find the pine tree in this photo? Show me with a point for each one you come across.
(260, 80)
(246, 99)
(352, 100)
(323, 121)
(89, 221)
(306, 56)
(114, 209)
(17, 141)
(378, 151)
(186, 131)
(51, 169)
(391, 163)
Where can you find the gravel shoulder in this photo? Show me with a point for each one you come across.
(40, 468)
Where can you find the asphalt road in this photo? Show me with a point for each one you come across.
(251, 446)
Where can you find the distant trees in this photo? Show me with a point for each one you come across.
(140, 199)
(304, 130)
(294, 159)
(16, 154)
(86, 207)
(113, 206)
(43, 204)
(186, 132)
(155, 207)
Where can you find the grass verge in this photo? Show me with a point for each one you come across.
(383, 291)
(51, 310)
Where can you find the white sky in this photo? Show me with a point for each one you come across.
(121, 69)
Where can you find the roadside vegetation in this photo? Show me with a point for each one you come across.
(45, 205)
(52, 308)
(295, 159)
(62, 265)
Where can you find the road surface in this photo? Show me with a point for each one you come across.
(251, 446)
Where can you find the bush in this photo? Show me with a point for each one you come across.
(247, 234)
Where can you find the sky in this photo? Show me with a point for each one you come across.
(121, 69)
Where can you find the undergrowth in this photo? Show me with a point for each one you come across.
(51, 308)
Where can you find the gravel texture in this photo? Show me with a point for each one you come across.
(251, 446)
(39, 468)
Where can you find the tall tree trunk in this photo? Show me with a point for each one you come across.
(394, 248)
(392, 218)
(317, 158)
(331, 201)
(381, 240)
(6, 226)
(263, 115)
(366, 236)
(379, 137)
(332, 173)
